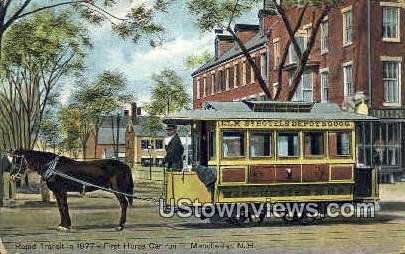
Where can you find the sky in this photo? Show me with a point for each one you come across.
(138, 62)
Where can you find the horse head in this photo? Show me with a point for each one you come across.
(19, 163)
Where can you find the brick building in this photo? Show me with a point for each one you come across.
(359, 49)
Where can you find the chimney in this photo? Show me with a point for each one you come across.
(266, 20)
(134, 112)
(222, 44)
(245, 32)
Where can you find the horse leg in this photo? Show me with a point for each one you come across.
(124, 205)
(65, 222)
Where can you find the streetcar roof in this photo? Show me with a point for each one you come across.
(269, 110)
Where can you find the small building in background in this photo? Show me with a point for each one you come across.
(146, 146)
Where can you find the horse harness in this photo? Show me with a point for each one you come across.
(50, 171)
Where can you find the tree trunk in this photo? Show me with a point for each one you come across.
(45, 193)
(252, 63)
(84, 148)
(97, 129)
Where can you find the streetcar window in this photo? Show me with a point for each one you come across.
(288, 144)
(313, 143)
(260, 144)
(233, 144)
(339, 143)
(212, 145)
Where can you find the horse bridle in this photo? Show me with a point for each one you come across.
(17, 176)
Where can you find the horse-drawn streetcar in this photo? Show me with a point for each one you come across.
(272, 152)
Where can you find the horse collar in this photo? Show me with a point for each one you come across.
(51, 168)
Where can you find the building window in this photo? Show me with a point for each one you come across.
(244, 73)
(235, 75)
(324, 85)
(227, 78)
(391, 78)
(260, 144)
(324, 36)
(159, 143)
(145, 143)
(313, 143)
(205, 87)
(212, 84)
(339, 144)
(212, 145)
(233, 144)
(276, 48)
(198, 88)
(348, 79)
(292, 56)
(263, 66)
(288, 144)
(304, 90)
(221, 84)
(347, 27)
(391, 23)
(252, 71)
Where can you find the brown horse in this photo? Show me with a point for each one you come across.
(108, 174)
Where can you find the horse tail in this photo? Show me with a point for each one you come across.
(130, 187)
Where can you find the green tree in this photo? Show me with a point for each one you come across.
(192, 61)
(138, 21)
(212, 14)
(153, 125)
(106, 95)
(50, 134)
(168, 94)
(77, 126)
(39, 52)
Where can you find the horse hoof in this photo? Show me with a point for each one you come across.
(119, 228)
(62, 229)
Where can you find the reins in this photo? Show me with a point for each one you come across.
(50, 171)
(18, 174)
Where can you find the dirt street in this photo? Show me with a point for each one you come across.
(28, 226)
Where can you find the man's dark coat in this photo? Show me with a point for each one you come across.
(174, 154)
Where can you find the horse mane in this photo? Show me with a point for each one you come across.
(44, 155)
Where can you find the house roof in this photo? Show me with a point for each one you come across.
(140, 130)
(108, 121)
(106, 136)
(268, 110)
(258, 40)
(108, 130)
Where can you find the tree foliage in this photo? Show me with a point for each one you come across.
(50, 133)
(39, 52)
(153, 125)
(192, 61)
(90, 104)
(168, 93)
(101, 98)
(76, 127)
(138, 21)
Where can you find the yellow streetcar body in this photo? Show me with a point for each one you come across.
(270, 152)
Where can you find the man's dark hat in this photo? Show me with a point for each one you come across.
(170, 127)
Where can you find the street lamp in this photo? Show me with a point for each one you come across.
(150, 161)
